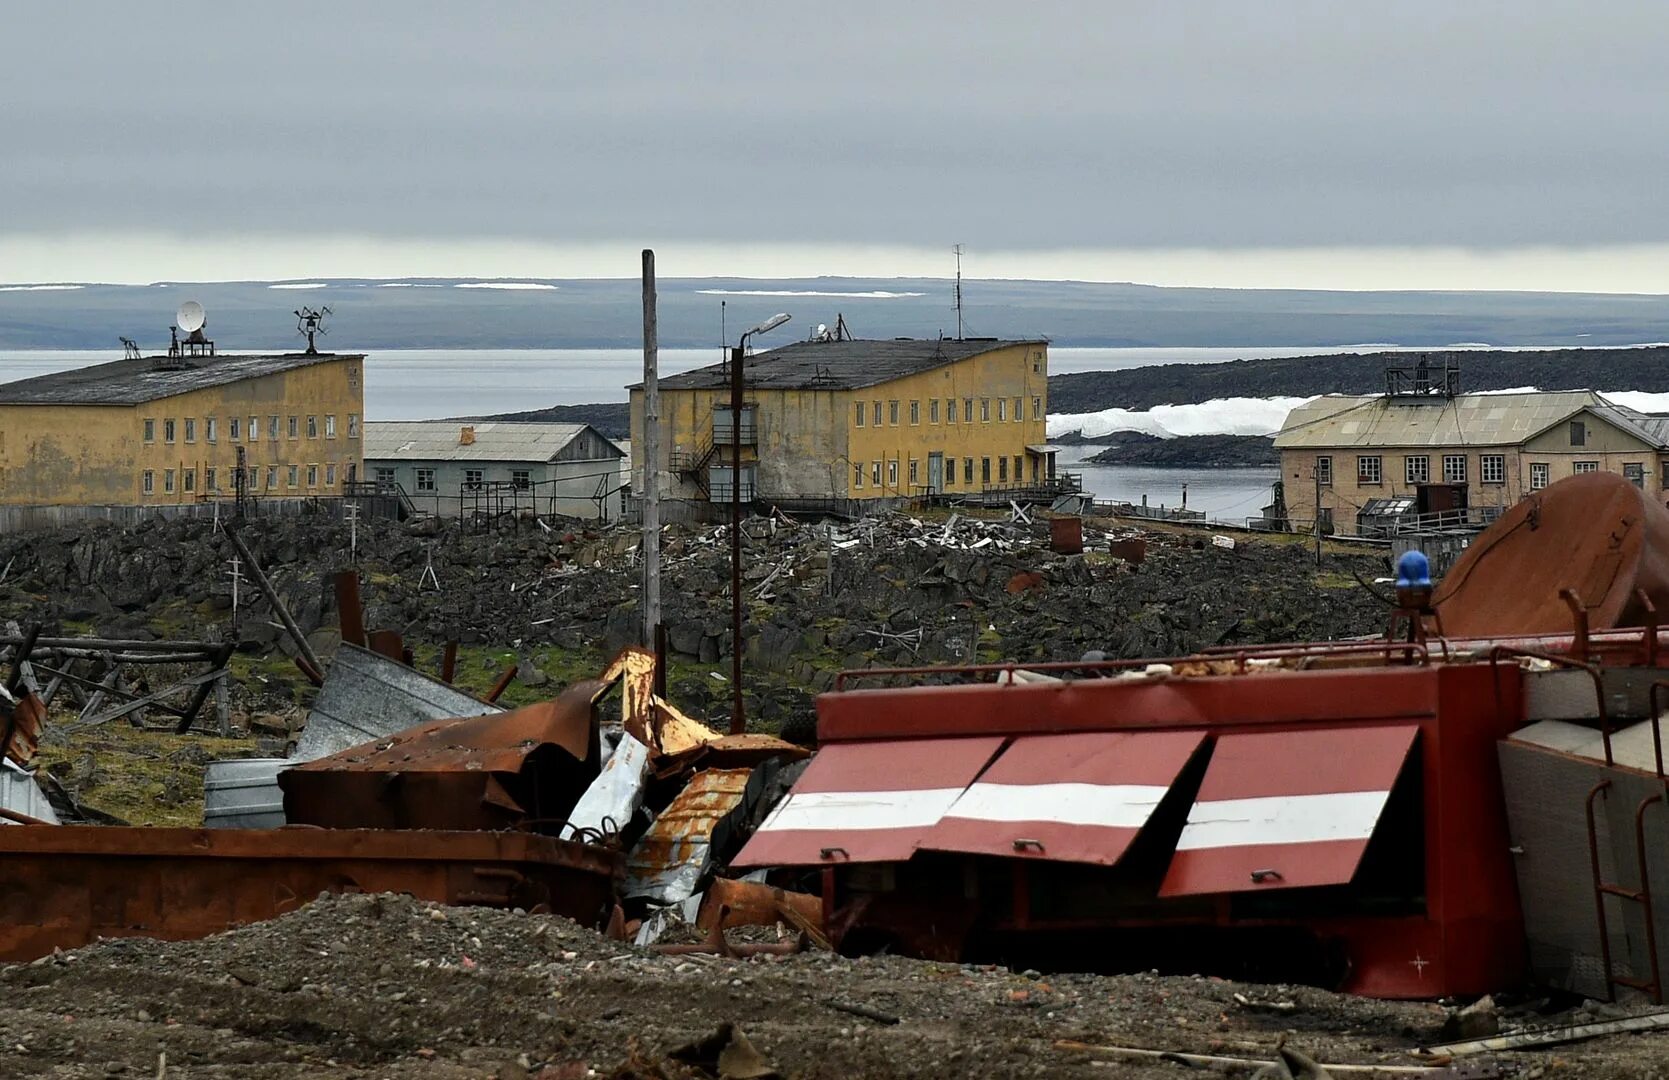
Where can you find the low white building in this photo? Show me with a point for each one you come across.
(493, 467)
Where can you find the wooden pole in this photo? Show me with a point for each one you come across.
(303, 646)
(651, 456)
(1317, 471)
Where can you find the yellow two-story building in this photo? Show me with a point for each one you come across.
(858, 422)
(161, 431)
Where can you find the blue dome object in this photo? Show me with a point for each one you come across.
(1413, 570)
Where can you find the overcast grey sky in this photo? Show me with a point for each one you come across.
(1194, 141)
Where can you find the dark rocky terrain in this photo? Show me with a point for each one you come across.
(1186, 451)
(896, 591)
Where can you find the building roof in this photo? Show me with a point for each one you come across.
(1465, 420)
(494, 440)
(132, 382)
(838, 365)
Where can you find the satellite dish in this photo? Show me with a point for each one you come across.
(190, 317)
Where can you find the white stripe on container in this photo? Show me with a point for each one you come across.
(1112, 806)
(1282, 819)
(861, 809)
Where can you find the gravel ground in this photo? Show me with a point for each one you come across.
(386, 986)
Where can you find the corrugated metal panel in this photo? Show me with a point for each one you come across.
(1286, 809)
(1069, 798)
(367, 696)
(20, 794)
(243, 793)
(867, 801)
(667, 864)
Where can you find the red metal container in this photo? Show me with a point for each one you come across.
(1066, 535)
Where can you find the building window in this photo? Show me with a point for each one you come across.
(147, 482)
(892, 413)
(294, 478)
(294, 427)
(915, 413)
(1454, 468)
(950, 472)
(168, 431)
(312, 427)
(1584, 466)
(1037, 408)
(875, 473)
(353, 425)
(875, 414)
(168, 481)
(1492, 468)
(892, 473)
(1538, 475)
(472, 479)
(330, 426)
(1019, 413)
(1002, 410)
(967, 410)
(857, 474)
(312, 476)
(967, 470)
(1368, 469)
(985, 470)
(385, 477)
(208, 479)
(933, 411)
(1416, 469)
(211, 429)
(984, 410)
(1635, 473)
(150, 430)
(950, 410)
(1002, 470)
(190, 429)
(330, 474)
(188, 480)
(860, 413)
(254, 477)
(272, 477)
(272, 426)
(1016, 468)
(521, 479)
(254, 433)
(720, 479)
(1324, 470)
(1578, 433)
(234, 428)
(912, 472)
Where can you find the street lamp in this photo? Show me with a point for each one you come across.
(738, 721)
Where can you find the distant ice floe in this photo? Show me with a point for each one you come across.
(39, 288)
(407, 285)
(1220, 416)
(876, 294)
(511, 285)
(300, 285)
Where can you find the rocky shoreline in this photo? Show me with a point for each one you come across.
(1186, 451)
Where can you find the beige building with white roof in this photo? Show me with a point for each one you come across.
(1473, 452)
(453, 468)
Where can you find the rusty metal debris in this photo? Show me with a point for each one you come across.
(679, 849)
(525, 768)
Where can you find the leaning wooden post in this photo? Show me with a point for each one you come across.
(304, 646)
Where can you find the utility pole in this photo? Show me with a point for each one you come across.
(958, 249)
(651, 458)
(352, 513)
(738, 719)
(1317, 471)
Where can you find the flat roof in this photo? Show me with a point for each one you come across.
(132, 382)
(837, 365)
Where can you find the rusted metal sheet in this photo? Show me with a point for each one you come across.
(1066, 535)
(731, 903)
(1131, 551)
(21, 719)
(669, 861)
(367, 696)
(482, 772)
(1066, 798)
(1596, 534)
(62, 887)
(867, 802)
(1283, 810)
(731, 752)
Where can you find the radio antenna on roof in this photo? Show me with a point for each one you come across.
(958, 249)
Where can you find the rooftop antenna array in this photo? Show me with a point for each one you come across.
(958, 249)
(130, 349)
(310, 322)
(191, 318)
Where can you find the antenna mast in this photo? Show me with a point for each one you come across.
(958, 249)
